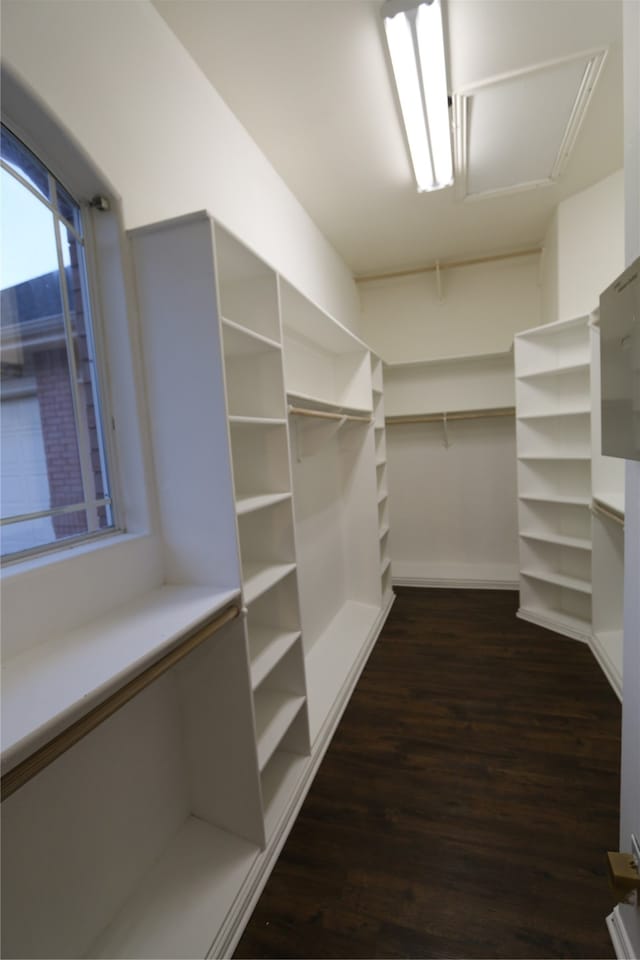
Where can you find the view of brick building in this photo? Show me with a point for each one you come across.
(36, 370)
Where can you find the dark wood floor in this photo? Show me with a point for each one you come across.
(465, 804)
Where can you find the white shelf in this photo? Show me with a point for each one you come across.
(247, 504)
(280, 778)
(333, 657)
(559, 371)
(247, 287)
(578, 543)
(559, 579)
(258, 578)
(268, 645)
(556, 498)
(386, 563)
(557, 414)
(275, 712)
(316, 403)
(557, 329)
(464, 358)
(184, 899)
(384, 530)
(239, 340)
(48, 687)
(613, 500)
(560, 457)
(259, 421)
(382, 496)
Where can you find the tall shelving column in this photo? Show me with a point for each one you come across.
(256, 407)
(607, 491)
(328, 383)
(553, 403)
(381, 474)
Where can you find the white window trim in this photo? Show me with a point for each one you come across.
(78, 581)
(100, 389)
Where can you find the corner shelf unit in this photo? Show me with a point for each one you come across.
(186, 794)
(571, 497)
(380, 437)
(248, 307)
(607, 523)
(553, 431)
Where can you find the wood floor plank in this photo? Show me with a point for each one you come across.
(465, 804)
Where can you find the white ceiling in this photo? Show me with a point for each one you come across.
(310, 81)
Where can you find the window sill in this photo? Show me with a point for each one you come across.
(63, 552)
(50, 686)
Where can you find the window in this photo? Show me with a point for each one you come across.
(54, 477)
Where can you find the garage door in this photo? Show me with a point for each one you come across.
(23, 474)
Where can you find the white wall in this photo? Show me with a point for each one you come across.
(482, 307)
(630, 792)
(121, 83)
(452, 509)
(590, 247)
(549, 273)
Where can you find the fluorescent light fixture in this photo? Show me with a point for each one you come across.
(416, 46)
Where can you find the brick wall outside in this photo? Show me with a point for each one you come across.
(58, 421)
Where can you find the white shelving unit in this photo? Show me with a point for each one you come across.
(380, 437)
(184, 796)
(334, 454)
(248, 304)
(607, 522)
(553, 428)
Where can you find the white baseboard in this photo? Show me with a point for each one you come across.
(624, 929)
(611, 673)
(456, 584)
(466, 576)
(556, 625)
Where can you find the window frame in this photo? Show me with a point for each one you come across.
(101, 384)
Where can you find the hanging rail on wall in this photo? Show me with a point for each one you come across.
(326, 415)
(446, 417)
(605, 510)
(447, 265)
(41, 758)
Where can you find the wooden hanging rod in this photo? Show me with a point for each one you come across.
(447, 265)
(327, 415)
(454, 415)
(607, 511)
(41, 758)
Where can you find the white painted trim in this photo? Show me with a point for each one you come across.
(231, 930)
(556, 625)
(462, 584)
(614, 677)
(619, 937)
